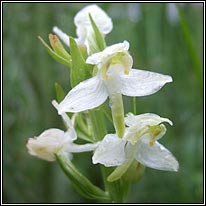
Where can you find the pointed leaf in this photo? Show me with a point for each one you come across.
(79, 69)
(59, 92)
(98, 37)
(55, 55)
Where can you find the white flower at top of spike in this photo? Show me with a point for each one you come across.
(53, 141)
(114, 76)
(83, 24)
(140, 143)
(84, 28)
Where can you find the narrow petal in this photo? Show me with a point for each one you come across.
(71, 133)
(86, 95)
(156, 156)
(142, 83)
(64, 37)
(110, 151)
(75, 148)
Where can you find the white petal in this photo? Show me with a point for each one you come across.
(110, 151)
(145, 119)
(64, 37)
(102, 20)
(142, 83)
(106, 53)
(86, 95)
(156, 156)
(82, 35)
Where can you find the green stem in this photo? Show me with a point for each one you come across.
(80, 182)
(115, 189)
(117, 108)
(134, 105)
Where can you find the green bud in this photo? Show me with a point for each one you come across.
(58, 47)
(60, 94)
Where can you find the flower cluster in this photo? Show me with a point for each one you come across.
(101, 72)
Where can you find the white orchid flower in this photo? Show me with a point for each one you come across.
(53, 141)
(115, 77)
(83, 25)
(140, 143)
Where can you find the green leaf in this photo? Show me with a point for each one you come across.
(195, 61)
(54, 55)
(60, 94)
(80, 182)
(84, 127)
(79, 68)
(82, 135)
(97, 42)
(98, 123)
(83, 50)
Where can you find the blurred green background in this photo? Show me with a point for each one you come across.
(161, 40)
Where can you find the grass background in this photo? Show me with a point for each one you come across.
(161, 40)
